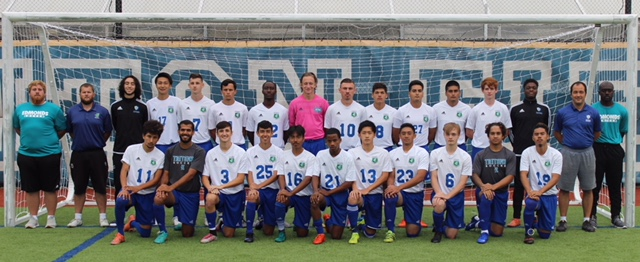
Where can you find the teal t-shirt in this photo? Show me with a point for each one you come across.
(615, 122)
(39, 126)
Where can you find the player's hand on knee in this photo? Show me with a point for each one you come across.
(253, 193)
(124, 194)
(356, 194)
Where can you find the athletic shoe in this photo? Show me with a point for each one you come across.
(617, 222)
(220, 224)
(390, 237)
(162, 237)
(320, 238)
(51, 222)
(32, 223)
(594, 221)
(287, 225)
(437, 237)
(588, 227)
(128, 227)
(355, 238)
(104, 223)
(208, 238)
(516, 222)
(249, 238)
(258, 224)
(119, 239)
(403, 224)
(475, 220)
(424, 224)
(529, 239)
(281, 237)
(483, 239)
(75, 223)
(177, 225)
(325, 219)
(562, 226)
(361, 222)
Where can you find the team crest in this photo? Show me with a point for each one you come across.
(203, 109)
(412, 160)
(97, 116)
(153, 162)
(354, 114)
(374, 160)
(426, 119)
(276, 116)
(498, 114)
(272, 159)
(385, 117)
(135, 108)
(459, 114)
(237, 115)
(170, 110)
(302, 165)
(318, 110)
(547, 163)
(456, 163)
(231, 160)
(339, 167)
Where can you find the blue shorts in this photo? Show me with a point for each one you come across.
(187, 206)
(474, 151)
(455, 211)
(164, 148)
(547, 207)
(243, 146)
(232, 206)
(389, 148)
(426, 147)
(373, 210)
(498, 207)
(413, 204)
(314, 146)
(462, 146)
(143, 205)
(338, 204)
(302, 207)
(206, 145)
(268, 205)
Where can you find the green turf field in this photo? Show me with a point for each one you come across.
(19, 244)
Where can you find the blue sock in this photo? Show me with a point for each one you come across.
(484, 212)
(143, 231)
(158, 213)
(318, 225)
(211, 219)
(529, 216)
(438, 221)
(121, 211)
(281, 212)
(390, 211)
(352, 213)
(251, 215)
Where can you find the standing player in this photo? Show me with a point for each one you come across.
(450, 168)
(405, 185)
(180, 183)
(229, 110)
(195, 108)
(451, 110)
(271, 111)
(141, 172)
(165, 109)
(366, 193)
(295, 189)
(577, 127)
(308, 110)
(224, 172)
(542, 195)
(127, 116)
(417, 113)
(525, 116)
(493, 171)
(89, 125)
(263, 174)
(40, 125)
(332, 176)
(381, 114)
(346, 114)
(488, 111)
(609, 153)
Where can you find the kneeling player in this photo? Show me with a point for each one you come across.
(405, 184)
(295, 185)
(374, 165)
(141, 171)
(450, 169)
(542, 195)
(225, 168)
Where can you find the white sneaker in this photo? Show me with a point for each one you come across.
(176, 222)
(51, 222)
(32, 223)
(287, 225)
(75, 223)
(103, 223)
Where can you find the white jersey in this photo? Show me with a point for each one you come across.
(198, 113)
(333, 171)
(481, 115)
(371, 165)
(278, 115)
(421, 118)
(167, 112)
(223, 167)
(295, 169)
(142, 166)
(541, 167)
(263, 164)
(384, 124)
(407, 165)
(346, 119)
(450, 168)
(236, 114)
(451, 114)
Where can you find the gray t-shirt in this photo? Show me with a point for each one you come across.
(178, 161)
(494, 166)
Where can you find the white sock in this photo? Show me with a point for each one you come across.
(35, 217)
(484, 231)
(563, 218)
(586, 219)
(79, 216)
(50, 216)
(103, 216)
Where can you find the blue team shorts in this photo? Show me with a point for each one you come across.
(232, 206)
(164, 148)
(547, 207)
(206, 146)
(314, 146)
(187, 206)
(455, 211)
(498, 207)
(302, 208)
(143, 205)
(373, 210)
(268, 205)
(413, 204)
(338, 204)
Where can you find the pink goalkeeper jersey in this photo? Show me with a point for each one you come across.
(310, 115)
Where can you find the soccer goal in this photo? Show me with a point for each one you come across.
(68, 49)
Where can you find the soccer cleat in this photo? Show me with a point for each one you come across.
(424, 224)
(104, 223)
(177, 225)
(249, 238)
(119, 239)
(161, 238)
(437, 237)
(475, 220)
(390, 237)
(562, 226)
(287, 225)
(281, 237)
(516, 222)
(326, 217)
(528, 239)
(594, 221)
(355, 238)
(220, 225)
(32, 223)
(128, 227)
(483, 239)
(403, 224)
(617, 222)
(208, 238)
(258, 224)
(75, 223)
(588, 227)
(320, 238)
(51, 222)
(361, 222)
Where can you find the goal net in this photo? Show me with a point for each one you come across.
(66, 51)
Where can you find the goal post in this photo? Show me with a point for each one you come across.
(253, 48)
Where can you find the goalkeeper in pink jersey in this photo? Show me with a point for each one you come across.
(308, 111)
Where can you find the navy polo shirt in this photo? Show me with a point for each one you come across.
(578, 127)
(88, 127)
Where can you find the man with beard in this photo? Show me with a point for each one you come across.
(89, 125)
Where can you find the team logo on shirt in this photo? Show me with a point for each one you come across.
(547, 163)
(354, 114)
(339, 167)
(425, 118)
(272, 158)
(302, 165)
(97, 116)
(318, 110)
(385, 117)
(588, 118)
(497, 114)
(276, 116)
(231, 160)
(134, 108)
(170, 110)
(412, 160)
(153, 162)
(456, 163)
(374, 160)
(237, 115)
(459, 114)
(203, 109)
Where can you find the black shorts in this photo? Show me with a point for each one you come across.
(39, 173)
(89, 164)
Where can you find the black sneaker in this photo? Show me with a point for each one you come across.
(594, 221)
(437, 237)
(248, 238)
(258, 224)
(588, 227)
(562, 226)
(617, 222)
(528, 239)
(220, 225)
